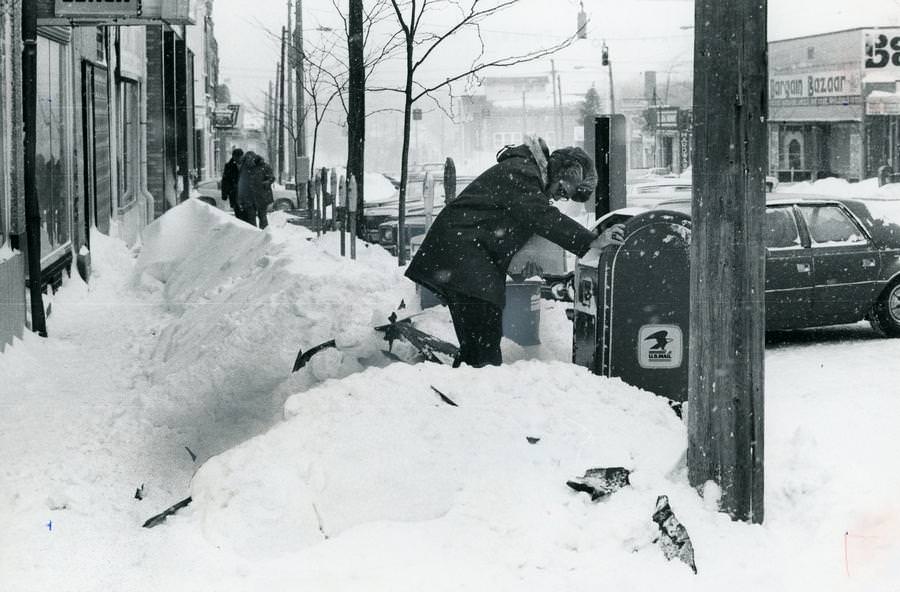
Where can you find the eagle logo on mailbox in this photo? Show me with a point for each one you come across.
(660, 346)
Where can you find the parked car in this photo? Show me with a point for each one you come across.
(652, 190)
(829, 261)
(384, 220)
(209, 191)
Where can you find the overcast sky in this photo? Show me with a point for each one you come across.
(641, 35)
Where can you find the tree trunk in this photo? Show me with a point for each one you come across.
(404, 160)
(356, 116)
(725, 411)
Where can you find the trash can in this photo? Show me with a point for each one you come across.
(522, 314)
(427, 298)
(632, 306)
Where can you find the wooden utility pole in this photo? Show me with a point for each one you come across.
(725, 411)
(556, 105)
(300, 150)
(290, 50)
(562, 126)
(269, 127)
(356, 115)
(280, 117)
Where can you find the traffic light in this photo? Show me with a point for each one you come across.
(581, 32)
(605, 55)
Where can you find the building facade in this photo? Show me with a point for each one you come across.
(833, 104)
(12, 215)
(116, 133)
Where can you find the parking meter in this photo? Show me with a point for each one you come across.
(449, 180)
(428, 198)
(340, 201)
(351, 208)
(632, 306)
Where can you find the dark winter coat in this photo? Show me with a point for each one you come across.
(473, 239)
(255, 182)
(229, 183)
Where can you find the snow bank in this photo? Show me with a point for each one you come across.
(382, 446)
(243, 302)
(842, 188)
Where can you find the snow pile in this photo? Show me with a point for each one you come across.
(243, 302)
(833, 186)
(354, 474)
(382, 446)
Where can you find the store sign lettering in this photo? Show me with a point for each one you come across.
(110, 8)
(816, 85)
(882, 49)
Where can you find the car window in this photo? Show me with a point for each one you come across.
(781, 228)
(830, 225)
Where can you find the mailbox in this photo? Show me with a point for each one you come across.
(632, 306)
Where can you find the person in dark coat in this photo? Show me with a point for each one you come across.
(254, 193)
(466, 253)
(230, 175)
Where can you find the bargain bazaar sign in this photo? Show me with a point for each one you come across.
(830, 86)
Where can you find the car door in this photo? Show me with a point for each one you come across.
(845, 264)
(789, 281)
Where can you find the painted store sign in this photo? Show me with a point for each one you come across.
(815, 87)
(881, 48)
(128, 12)
(115, 8)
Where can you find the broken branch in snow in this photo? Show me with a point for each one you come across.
(673, 538)
(601, 482)
(445, 398)
(161, 517)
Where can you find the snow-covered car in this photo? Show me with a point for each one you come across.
(210, 192)
(415, 211)
(381, 222)
(829, 261)
(652, 190)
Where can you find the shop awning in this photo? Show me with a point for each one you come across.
(883, 103)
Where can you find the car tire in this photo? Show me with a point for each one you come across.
(283, 203)
(886, 313)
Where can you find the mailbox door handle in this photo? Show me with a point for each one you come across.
(803, 268)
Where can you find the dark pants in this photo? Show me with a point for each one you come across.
(249, 214)
(479, 328)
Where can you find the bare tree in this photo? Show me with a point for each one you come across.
(420, 43)
(320, 94)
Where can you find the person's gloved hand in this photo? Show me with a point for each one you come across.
(614, 235)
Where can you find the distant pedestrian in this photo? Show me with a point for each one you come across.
(254, 194)
(230, 176)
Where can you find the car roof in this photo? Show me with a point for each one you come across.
(773, 199)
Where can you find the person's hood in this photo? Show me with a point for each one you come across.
(534, 149)
(520, 151)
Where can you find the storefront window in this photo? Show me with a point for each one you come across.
(50, 161)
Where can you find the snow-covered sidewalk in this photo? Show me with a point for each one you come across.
(354, 474)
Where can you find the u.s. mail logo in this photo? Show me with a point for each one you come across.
(660, 346)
